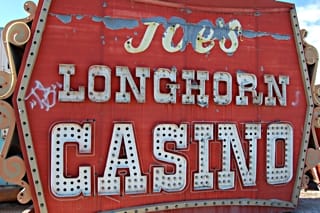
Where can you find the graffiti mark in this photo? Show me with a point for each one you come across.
(44, 97)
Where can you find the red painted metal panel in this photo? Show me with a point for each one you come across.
(254, 44)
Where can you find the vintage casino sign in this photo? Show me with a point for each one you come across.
(155, 105)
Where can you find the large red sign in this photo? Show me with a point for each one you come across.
(156, 105)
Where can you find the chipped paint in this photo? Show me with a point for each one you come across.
(66, 19)
(116, 23)
(253, 34)
(103, 41)
(186, 10)
(191, 30)
(79, 17)
(196, 34)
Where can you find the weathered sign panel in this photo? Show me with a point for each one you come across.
(155, 105)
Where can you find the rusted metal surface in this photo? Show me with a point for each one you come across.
(150, 105)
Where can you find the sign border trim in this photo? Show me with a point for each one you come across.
(31, 58)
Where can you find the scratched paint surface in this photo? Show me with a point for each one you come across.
(78, 37)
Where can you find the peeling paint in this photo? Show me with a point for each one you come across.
(157, 19)
(79, 17)
(196, 34)
(66, 19)
(116, 23)
(221, 29)
(253, 34)
(96, 18)
(280, 37)
(191, 31)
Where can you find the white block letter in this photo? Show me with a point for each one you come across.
(276, 133)
(176, 181)
(135, 182)
(62, 186)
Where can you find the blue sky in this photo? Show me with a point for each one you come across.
(11, 10)
(301, 2)
(309, 18)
